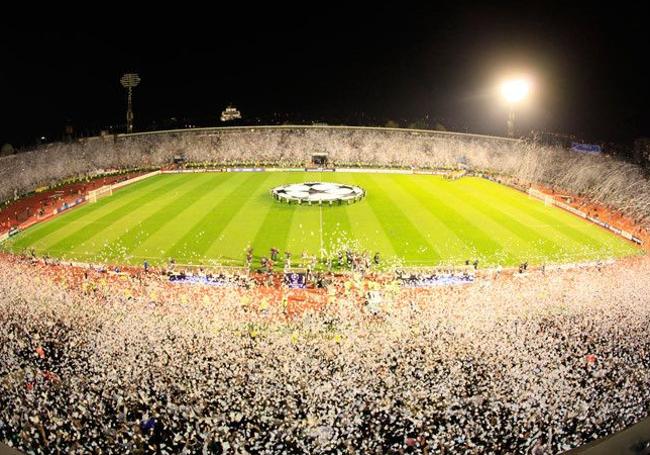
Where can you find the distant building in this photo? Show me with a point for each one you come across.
(230, 113)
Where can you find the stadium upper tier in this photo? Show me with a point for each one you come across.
(600, 178)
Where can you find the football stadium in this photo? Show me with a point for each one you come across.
(229, 289)
(263, 229)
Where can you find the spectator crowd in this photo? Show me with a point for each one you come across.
(108, 361)
(104, 362)
(599, 178)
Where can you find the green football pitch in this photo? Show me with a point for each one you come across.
(411, 220)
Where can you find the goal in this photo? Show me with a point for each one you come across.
(548, 199)
(94, 195)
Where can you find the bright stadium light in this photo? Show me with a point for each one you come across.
(514, 91)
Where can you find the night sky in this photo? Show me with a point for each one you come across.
(331, 63)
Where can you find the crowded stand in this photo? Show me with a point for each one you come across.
(347, 357)
(102, 361)
(599, 178)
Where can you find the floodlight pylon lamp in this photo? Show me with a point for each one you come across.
(515, 90)
(129, 81)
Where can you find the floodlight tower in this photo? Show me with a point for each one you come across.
(514, 91)
(129, 81)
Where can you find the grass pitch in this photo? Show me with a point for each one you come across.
(412, 220)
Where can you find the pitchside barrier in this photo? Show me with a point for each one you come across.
(285, 169)
(374, 171)
(550, 200)
(430, 172)
(67, 206)
(245, 169)
(107, 190)
(219, 168)
(192, 171)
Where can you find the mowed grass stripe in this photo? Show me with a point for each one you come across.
(413, 208)
(36, 235)
(433, 218)
(193, 245)
(570, 225)
(367, 230)
(407, 240)
(498, 240)
(102, 216)
(166, 214)
(156, 247)
(305, 233)
(481, 234)
(338, 233)
(274, 229)
(96, 235)
(549, 241)
(244, 225)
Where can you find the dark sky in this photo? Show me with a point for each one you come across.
(333, 63)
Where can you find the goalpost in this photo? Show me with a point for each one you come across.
(101, 192)
(548, 199)
(107, 190)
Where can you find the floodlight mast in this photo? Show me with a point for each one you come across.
(511, 121)
(514, 91)
(129, 81)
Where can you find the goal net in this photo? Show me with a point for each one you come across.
(548, 199)
(94, 195)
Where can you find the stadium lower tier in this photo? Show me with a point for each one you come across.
(539, 362)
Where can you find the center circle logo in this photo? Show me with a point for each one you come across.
(318, 192)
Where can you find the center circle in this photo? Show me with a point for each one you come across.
(318, 192)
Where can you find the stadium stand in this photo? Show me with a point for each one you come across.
(543, 361)
(598, 177)
(106, 361)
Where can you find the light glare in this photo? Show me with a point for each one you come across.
(515, 90)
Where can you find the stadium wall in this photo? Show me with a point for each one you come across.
(599, 178)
